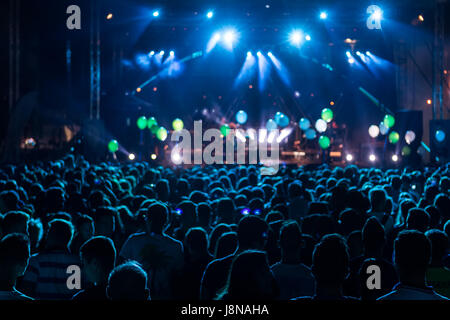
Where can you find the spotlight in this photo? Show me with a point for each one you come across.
(348, 54)
(216, 36)
(308, 37)
(351, 60)
(349, 157)
(372, 158)
(176, 158)
(295, 37)
(323, 15)
(153, 156)
(358, 53)
(429, 101)
(152, 53)
(210, 14)
(420, 17)
(229, 38)
(368, 53)
(172, 53)
(109, 16)
(269, 54)
(156, 13)
(131, 156)
(138, 89)
(249, 53)
(377, 15)
(394, 157)
(258, 53)
(161, 53)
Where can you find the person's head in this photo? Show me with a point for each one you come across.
(373, 237)
(405, 206)
(252, 233)
(330, 262)
(377, 197)
(15, 222)
(162, 190)
(439, 246)
(188, 213)
(14, 256)
(156, 217)
(98, 257)
(225, 210)
(215, 234)
(204, 214)
(349, 221)
(226, 245)
(250, 277)
(105, 221)
(418, 219)
(442, 202)
(196, 242)
(85, 227)
(412, 253)
(59, 234)
(290, 239)
(128, 281)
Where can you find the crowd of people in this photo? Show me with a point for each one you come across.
(140, 232)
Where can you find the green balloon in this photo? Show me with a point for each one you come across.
(177, 124)
(225, 129)
(406, 151)
(113, 146)
(393, 137)
(151, 122)
(324, 142)
(142, 123)
(161, 134)
(389, 121)
(327, 114)
(154, 129)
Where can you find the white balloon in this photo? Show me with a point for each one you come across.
(321, 125)
(374, 131)
(410, 136)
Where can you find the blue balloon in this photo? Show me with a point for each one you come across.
(241, 117)
(271, 125)
(310, 134)
(283, 121)
(277, 117)
(304, 124)
(439, 135)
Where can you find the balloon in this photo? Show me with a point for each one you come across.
(310, 134)
(406, 151)
(271, 124)
(177, 124)
(161, 134)
(241, 117)
(304, 124)
(327, 114)
(151, 122)
(324, 142)
(389, 121)
(225, 129)
(393, 137)
(142, 122)
(410, 136)
(383, 128)
(439, 135)
(283, 121)
(374, 131)
(113, 146)
(278, 116)
(321, 125)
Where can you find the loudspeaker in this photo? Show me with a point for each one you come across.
(409, 125)
(439, 140)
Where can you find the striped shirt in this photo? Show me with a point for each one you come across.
(46, 275)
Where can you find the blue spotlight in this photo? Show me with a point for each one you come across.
(270, 54)
(213, 41)
(351, 60)
(229, 38)
(323, 15)
(368, 53)
(258, 53)
(358, 53)
(280, 68)
(156, 13)
(210, 14)
(151, 53)
(161, 53)
(348, 54)
(172, 53)
(308, 37)
(295, 37)
(249, 53)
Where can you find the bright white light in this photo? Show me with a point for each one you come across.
(151, 53)
(351, 60)
(348, 54)
(269, 54)
(284, 134)
(372, 157)
(321, 125)
(374, 131)
(323, 15)
(377, 15)
(156, 13)
(368, 53)
(295, 37)
(249, 54)
(262, 135)
(161, 53)
(395, 158)
(308, 37)
(172, 53)
(271, 137)
(229, 37)
(216, 36)
(258, 53)
(131, 156)
(349, 157)
(210, 14)
(153, 156)
(176, 158)
(358, 53)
